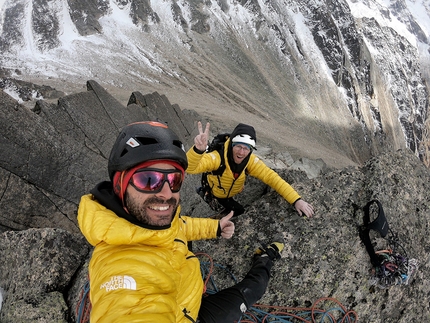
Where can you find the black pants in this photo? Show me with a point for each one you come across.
(228, 305)
(230, 204)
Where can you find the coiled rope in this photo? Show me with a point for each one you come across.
(324, 310)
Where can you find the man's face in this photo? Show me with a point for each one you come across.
(240, 152)
(156, 209)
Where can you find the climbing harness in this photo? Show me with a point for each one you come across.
(324, 310)
(389, 266)
(205, 193)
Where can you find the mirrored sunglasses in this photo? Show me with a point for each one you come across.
(151, 180)
(242, 146)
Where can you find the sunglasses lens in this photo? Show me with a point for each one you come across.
(148, 181)
(152, 181)
(175, 181)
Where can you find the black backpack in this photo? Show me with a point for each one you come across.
(217, 144)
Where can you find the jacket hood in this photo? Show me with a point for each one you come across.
(100, 224)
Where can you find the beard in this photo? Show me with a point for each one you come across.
(138, 210)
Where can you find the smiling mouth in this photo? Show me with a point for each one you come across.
(159, 208)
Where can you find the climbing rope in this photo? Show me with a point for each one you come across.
(324, 310)
(83, 307)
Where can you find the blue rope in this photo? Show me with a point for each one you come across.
(260, 315)
(83, 304)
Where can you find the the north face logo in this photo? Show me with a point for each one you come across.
(119, 282)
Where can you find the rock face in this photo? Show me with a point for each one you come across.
(37, 266)
(56, 153)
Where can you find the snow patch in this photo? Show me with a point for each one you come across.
(30, 48)
(2, 6)
(2, 2)
(308, 43)
(1, 292)
(372, 10)
(14, 93)
(421, 11)
(68, 31)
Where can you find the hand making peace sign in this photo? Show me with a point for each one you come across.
(201, 140)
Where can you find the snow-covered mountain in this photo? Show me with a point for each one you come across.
(336, 79)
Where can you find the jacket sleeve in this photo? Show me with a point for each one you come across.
(201, 163)
(200, 228)
(258, 169)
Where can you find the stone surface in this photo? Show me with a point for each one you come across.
(36, 269)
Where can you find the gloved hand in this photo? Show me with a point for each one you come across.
(304, 207)
(227, 226)
(201, 140)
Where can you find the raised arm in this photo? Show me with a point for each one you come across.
(201, 140)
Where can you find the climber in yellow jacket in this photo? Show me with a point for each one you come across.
(141, 269)
(219, 189)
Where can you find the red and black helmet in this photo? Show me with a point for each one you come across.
(145, 141)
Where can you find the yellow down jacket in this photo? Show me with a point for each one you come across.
(142, 275)
(207, 162)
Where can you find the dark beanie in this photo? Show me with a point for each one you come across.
(244, 129)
